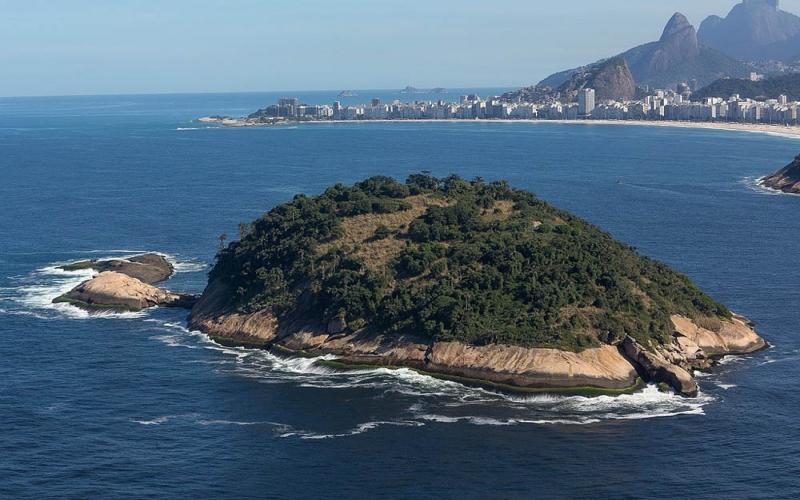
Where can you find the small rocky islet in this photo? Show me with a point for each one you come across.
(469, 281)
(125, 285)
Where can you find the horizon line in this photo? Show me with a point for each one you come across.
(121, 94)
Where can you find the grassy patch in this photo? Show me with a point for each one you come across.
(360, 232)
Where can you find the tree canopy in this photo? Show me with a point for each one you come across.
(454, 260)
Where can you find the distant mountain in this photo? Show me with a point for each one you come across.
(755, 30)
(770, 88)
(610, 79)
(676, 57)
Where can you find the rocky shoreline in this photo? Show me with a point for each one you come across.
(125, 285)
(611, 368)
(786, 179)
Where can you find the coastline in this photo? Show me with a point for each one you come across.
(787, 131)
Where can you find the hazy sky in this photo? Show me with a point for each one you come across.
(62, 47)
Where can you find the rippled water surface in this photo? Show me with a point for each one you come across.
(136, 406)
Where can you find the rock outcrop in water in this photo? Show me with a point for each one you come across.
(125, 285)
(149, 268)
(479, 283)
(786, 179)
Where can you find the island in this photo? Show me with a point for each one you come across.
(347, 93)
(786, 179)
(470, 281)
(413, 90)
(124, 285)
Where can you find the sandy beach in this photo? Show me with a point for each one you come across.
(791, 131)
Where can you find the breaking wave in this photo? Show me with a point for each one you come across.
(757, 184)
(427, 400)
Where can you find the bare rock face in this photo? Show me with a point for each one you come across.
(734, 337)
(116, 291)
(615, 83)
(149, 268)
(659, 369)
(786, 179)
(678, 43)
(337, 325)
(603, 367)
(610, 79)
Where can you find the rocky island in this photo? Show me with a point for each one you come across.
(786, 179)
(124, 285)
(471, 281)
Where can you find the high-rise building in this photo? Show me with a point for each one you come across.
(693, 85)
(586, 102)
(337, 110)
(290, 105)
(376, 102)
(783, 99)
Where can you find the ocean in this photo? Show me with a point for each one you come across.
(136, 406)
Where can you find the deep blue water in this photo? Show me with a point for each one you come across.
(136, 406)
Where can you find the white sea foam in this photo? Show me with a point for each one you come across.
(433, 400)
(757, 184)
(228, 422)
(50, 282)
(359, 429)
(185, 266)
(727, 386)
(155, 421)
(731, 360)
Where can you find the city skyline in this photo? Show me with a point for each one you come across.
(85, 47)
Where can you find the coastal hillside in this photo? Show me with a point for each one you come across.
(676, 57)
(769, 88)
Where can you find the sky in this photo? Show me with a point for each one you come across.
(87, 47)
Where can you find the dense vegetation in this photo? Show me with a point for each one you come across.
(770, 88)
(449, 259)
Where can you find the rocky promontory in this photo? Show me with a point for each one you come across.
(786, 179)
(125, 285)
(470, 281)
